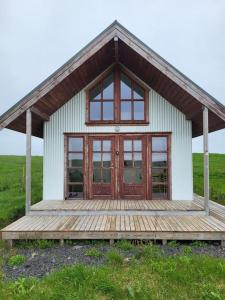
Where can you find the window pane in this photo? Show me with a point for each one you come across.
(76, 144)
(128, 145)
(127, 175)
(128, 159)
(159, 175)
(97, 145)
(125, 110)
(138, 176)
(138, 159)
(159, 191)
(106, 145)
(108, 111)
(138, 92)
(106, 174)
(159, 143)
(139, 110)
(76, 191)
(137, 145)
(75, 159)
(75, 175)
(108, 88)
(95, 110)
(97, 175)
(96, 159)
(125, 87)
(106, 160)
(95, 93)
(159, 159)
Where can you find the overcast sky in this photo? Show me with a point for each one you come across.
(38, 36)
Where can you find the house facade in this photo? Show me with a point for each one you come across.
(117, 122)
(130, 159)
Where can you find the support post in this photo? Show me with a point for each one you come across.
(206, 158)
(28, 159)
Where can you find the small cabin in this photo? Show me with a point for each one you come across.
(117, 122)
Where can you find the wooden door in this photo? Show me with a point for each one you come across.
(132, 167)
(102, 167)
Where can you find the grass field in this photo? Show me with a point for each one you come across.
(151, 275)
(12, 186)
(12, 182)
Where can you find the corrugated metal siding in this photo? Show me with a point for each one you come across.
(163, 117)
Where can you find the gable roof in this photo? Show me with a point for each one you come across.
(114, 44)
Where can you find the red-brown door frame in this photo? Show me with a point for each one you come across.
(87, 179)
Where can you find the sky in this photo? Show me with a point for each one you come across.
(38, 36)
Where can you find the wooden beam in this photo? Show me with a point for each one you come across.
(40, 114)
(206, 158)
(28, 159)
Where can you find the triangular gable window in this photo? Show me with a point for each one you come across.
(117, 99)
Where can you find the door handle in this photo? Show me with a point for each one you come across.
(117, 152)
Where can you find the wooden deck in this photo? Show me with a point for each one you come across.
(120, 226)
(116, 207)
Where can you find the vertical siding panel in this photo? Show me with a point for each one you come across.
(163, 117)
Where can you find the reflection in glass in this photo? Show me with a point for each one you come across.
(138, 159)
(128, 145)
(97, 175)
(159, 159)
(138, 176)
(76, 144)
(159, 175)
(128, 159)
(125, 87)
(138, 92)
(137, 145)
(97, 145)
(96, 93)
(139, 110)
(108, 110)
(106, 145)
(159, 143)
(96, 159)
(125, 110)
(106, 175)
(159, 191)
(108, 88)
(127, 175)
(75, 159)
(75, 191)
(95, 111)
(76, 175)
(106, 159)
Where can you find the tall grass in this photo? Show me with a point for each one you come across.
(12, 186)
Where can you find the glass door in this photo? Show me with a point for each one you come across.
(132, 171)
(101, 167)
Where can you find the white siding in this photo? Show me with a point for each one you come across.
(163, 117)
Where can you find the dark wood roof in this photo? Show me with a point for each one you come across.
(96, 57)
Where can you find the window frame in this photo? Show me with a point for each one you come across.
(117, 70)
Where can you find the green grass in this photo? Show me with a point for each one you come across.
(12, 182)
(114, 257)
(124, 245)
(216, 173)
(93, 252)
(184, 276)
(16, 260)
(12, 186)
(152, 276)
